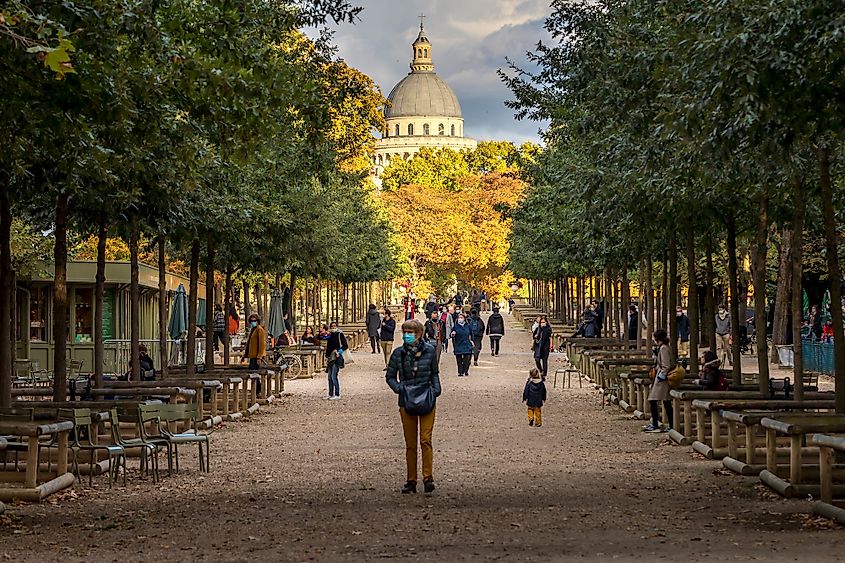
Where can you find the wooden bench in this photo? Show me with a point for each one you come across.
(37, 485)
(831, 452)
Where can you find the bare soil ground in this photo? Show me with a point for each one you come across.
(309, 479)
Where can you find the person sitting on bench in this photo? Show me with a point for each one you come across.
(712, 377)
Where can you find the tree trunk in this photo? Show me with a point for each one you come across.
(797, 297)
(641, 309)
(209, 306)
(782, 296)
(671, 292)
(99, 298)
(227, 306)
(134, 301)
(190, 361)
(663, 321)
(625, 303)
(759, 277)
(60, 301)
(733, 281)
(292, 314)
(649, 302)
(692, 304)
(247, 308)
(7, 290)
(835, 275)
(710, 299)
(163, 357)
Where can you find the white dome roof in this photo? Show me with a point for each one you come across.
(422, 93)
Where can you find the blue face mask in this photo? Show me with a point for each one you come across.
(409, 338)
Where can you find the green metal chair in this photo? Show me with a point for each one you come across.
(148, 450)
(170, 416)
(150, 415)
(81, 439)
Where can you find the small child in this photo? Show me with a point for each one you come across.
(534, 395)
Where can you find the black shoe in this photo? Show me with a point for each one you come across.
(475, 363)
(385, 369)
(410, 488)
(530, 423)
(429, 486)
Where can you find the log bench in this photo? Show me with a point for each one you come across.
(36, 485)
(802, 478)
(831, 453)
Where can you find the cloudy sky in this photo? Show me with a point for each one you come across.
(470, 38)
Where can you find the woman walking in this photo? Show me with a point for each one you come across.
(462, 345)
(542, 345)
(660, 386)
(373, 323)
(414, 375)
(495, 330)
(335, 347)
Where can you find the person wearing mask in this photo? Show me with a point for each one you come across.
(256, 342)
(633, 319)
(476, 327)
(683, 333)
(435, 332)
(659, 391)
(448, 318)
(462, 345)
(495, 330)
(386, 332)
(723, 336)
(335, 347)
(373, 323)
(542, 345)
(413, 373)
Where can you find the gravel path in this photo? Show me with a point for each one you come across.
(309, 479)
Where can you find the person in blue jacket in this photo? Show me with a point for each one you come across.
(462, 344)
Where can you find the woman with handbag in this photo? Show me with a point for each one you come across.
(335, 347)
(414, 375)
(659, 391)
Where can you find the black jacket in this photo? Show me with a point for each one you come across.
(496, 325)
(431, 331)
(430, 307)
(373, 323)
(632, 325)
(542, 341)
(534, 394)
(412, 364)
(388, 327)
(336, 341)
(476, 327)
(683, 328)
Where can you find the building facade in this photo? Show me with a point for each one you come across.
(423, 112)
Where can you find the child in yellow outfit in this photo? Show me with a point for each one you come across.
(534, 395)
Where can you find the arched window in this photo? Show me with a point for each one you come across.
(453, 129)
(426, 129)
(397, 130)
(419, 53)
(410, 129)
(441, 129)
(426, 53)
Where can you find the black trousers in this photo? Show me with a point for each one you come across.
(655, 412)
(374, 343)
(219, 338)
(542, 363)
(478, 341)
(463, 361)
(494, 344)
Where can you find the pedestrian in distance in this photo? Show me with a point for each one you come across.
(598, 313)
(435, 332)
(386, 332)
(476, 327)
(335, 348)
(683, 332)
(462, 345)
(413, 374)
(373, 323)
(659, 392)
(633, 319)
(723, 336)
(542, 345)
(256, 342)
(534, 395)
(495, 330)
(219, 327)
(448, 318)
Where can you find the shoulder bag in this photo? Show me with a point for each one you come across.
(417, 396)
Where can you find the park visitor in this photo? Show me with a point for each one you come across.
(495, 330)
(335, 347)
(219, 326)
(308, 338)
(712, 378)
(459, 300)
(814, 321)
(448, 318)
(476, 327)
(542, 345)
(683, 332)
(324, 332)
(534, 395)
(373, 326)
(414, 375)
(256, 342)
(633, 319)
(234, 320)
(388, 328)
(462, 345)
(435, 333)
(598, 314)
(588, 328)
(723, 336)
(431, 306)
(659, 391)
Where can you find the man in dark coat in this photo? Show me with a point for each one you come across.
(373, 323)
(633, 319)
(683, 333)
(476, 327)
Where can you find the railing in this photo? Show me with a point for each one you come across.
(818, 355)
(118, 353)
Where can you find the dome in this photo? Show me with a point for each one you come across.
(422, 93)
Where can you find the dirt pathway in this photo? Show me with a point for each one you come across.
(310, 479)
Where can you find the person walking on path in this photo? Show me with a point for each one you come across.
(598, 312)
(448, 318)
(723, 336)
(386, 332)
(335, 347)
(219, 327)
(542, 345)
(431, 306)
(633, 319)
(659, 392)
(435, 332)
(534, 395)
(683, 333)
(414, 374)
(373, 326)
(495, 330)
(256, 342)
(476, 327)
(462, 345)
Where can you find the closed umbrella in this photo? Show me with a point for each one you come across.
(826, 306)
(178, 314)
(805, 303)
(201, 313)
(276, 322)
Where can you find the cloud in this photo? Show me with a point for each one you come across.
(471, 40)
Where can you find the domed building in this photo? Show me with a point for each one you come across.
(423, 112)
